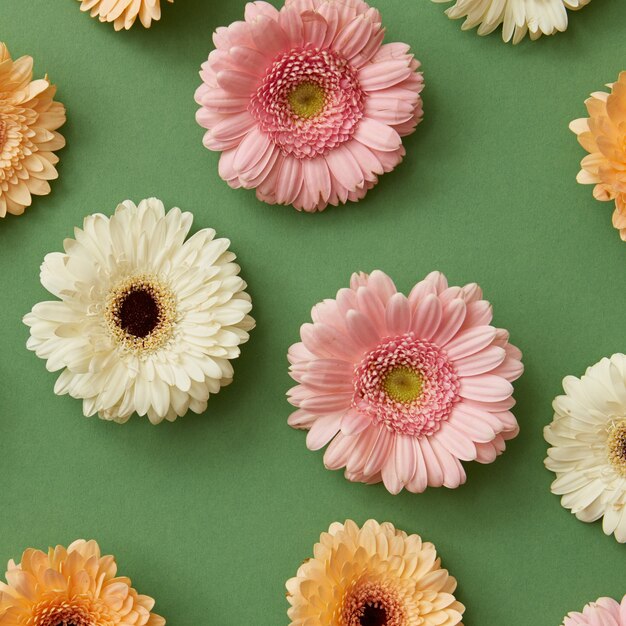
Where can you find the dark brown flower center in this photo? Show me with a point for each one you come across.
(373, 616)
(139, 313)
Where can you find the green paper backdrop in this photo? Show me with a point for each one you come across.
(213, 513)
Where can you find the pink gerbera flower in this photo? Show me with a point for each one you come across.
(604, 612)
(306, 104)
(404, 388)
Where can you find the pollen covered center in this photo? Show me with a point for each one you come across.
(307, 100)
(140, 313)
(617, 447)
(403, 384)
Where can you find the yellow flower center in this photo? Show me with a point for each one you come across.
(140, 314)
(403, 384)
(617, 446)
(307, 100)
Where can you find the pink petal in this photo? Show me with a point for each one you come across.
(481, 362)
(251, 59)
(354, 422)
(433, 469)
(331, 403)
(485, 388)
(419, 480)
(380, 452)
(398, 315)
(344, 168)
(251, 150)
(314, 28)
(353, 37)
(377, 136)
(322, 431)
(268, 36)
(453, 472)
(317, 176)
(337, 453)
(238, 83)
(405, 458)
(256, 9)
(384, 74)
(469, 420)
(456, 442)
(361, 330)
(371, 306)
(427, 317)
(289, 181)
(470, 341)
(382, 285)
(452, 317)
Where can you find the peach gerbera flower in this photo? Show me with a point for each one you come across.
(372, 576)
(123, 13)
(74, 586)
(29, 118)
(306, 103)
(603, 135)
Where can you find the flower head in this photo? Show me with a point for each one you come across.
(123, 13)
(72, 586)
(517, 17)
(372, 576)
(306, 104)
(404, 388)
(147, 322)
(603, 135)
(29, 119)
(588, 439)
(604, 612)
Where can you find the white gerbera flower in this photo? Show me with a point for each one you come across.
(588, 436)
(517, 17)
(147, 322)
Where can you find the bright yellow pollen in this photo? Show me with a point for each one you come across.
(307, 100)
(403, 384)
(617, 447)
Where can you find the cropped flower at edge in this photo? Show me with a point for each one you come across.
(123, 13)
(372, 576)
(306, 104)
(603, 612)
(404, 388)
(29, 119)
(588, 439)
(517, 17)
(71, 587)
(603, 135)
(147, 321)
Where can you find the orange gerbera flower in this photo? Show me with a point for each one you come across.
(29, 118)
(603, 135)
(71, 587)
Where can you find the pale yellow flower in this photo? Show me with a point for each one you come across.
(372, 576)
(29, 118)
(73, 586)
(123, 13)
(603, 135)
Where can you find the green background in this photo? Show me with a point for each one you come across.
(211, 514)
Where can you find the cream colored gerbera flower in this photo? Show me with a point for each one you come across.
(517, 17)
(372, 576)
(71, 587)
(603, 135)
(588, 436)
(147, 322)
(123, 13)
(29, 118)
